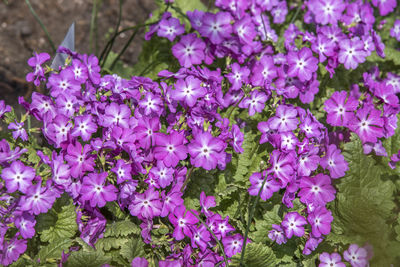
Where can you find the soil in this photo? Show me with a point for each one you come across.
(21, 34)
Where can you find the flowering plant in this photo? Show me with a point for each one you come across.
(255, 133)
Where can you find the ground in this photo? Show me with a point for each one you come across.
(21, 34)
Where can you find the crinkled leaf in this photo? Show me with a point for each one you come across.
(364, 204)
(257, 255)
(87, 259)
(108, 243)
(53, 250)
(121, 228)
(59, 222)
(132, 249)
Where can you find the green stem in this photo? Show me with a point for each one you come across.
(124, 49)
(147, 68)
(213, 235)
(187, 178)
(53, 47)
(110, 43)
(93, 28)
(297, 13)
(234, 107)
(251, 214)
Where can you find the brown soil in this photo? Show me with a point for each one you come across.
(21, 34)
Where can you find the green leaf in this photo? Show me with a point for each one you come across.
(87, 259)
(108, 243)
(264, 225)
(59, 222)
(121, 228)
(53, 250)
(392, 146)
(257, 255)
(364, 205)
(132, 249)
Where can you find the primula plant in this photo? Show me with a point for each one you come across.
(249, 133)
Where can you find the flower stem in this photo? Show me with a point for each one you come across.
(187, 179)
(53, 47)
(213, 235)
(251, 214)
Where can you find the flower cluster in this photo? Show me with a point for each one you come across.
(137, 142)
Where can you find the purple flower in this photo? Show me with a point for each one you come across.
(196, 18)
(311, 244)
(340, 111)
(308, 162)
(63, 83)
(67, 104)
(19, 130)
(146, 129)
(222, 227)
(26, 225)
(188, 90)
(122, 170)
(238, 76)
(358, 257)
(61, 172)
(320, 220)
(327, 11)
(206, 151)
(150, 104)
(93, 68)
(189, 50)
(12, 250)
(293, 224)
(200, 237)
(395, 31)
(79, 159)
(115, 114)
(316, 190)
(80, 71)
(385, 7)
(35, 62)
(270, 187)
(277, 234)
(59, 129)
(302, 64)
(282, 166)
(334, 162)
(94, 189)
(285, 119)
(182, 220)
(170, 148)
(162, 174)
(279, 12)
(216, 27)
(4, 108)
(18, 177)
(232, 244)
(206, 202)
(84, 127)
(146, 205)
(330, 260)
(237, 139)
(255, 103)
(245, 30)
(38, 199)
(263, 71)
(170, 28)
(367, 124)
(170, 202)
(139, 262)
(351, 52)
